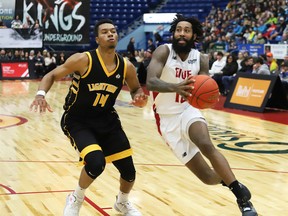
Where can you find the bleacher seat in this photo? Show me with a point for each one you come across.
(192, 8)
(123, 12)
(153, 3)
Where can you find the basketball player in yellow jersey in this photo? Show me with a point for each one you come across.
(90, 120)
(182, 126)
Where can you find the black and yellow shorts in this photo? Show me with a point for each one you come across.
(103, 133)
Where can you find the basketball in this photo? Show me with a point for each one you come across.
(205, 93)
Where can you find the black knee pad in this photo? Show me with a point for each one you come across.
(94, 163)
(126, 169)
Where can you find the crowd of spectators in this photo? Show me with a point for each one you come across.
(246, 22)
(140, 58)
(224, 67)
(42, 61)
(32, 28)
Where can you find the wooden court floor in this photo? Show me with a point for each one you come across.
(38, 167)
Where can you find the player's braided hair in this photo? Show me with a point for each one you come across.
(196, 25)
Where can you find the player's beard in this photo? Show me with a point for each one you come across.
(182, 48)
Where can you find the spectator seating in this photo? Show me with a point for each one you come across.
(192, 8)
(124, 12)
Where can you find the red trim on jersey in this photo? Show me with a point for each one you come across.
(156, 115)
(157, 118)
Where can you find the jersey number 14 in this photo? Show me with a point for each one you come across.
(100, 99)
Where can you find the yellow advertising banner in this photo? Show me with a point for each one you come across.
(255, 92)
(250, 92)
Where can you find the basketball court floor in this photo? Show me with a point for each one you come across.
(38, 167)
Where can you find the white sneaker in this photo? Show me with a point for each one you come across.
(73, 205)
(126, 208)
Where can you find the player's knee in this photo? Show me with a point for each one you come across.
(128, 175)
(126, 169)
(95, 164)
(208, 150)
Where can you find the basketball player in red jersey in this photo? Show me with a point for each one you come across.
(182, 126)
(90, 120)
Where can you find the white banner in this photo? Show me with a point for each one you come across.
(279, 50)
(20, 38)
(158, 17)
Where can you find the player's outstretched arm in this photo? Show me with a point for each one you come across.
(77, 63)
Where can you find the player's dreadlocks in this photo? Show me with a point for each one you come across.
(196, 25)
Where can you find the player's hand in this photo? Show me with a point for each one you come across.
(40, 104)
(185, 88)
(139, 100)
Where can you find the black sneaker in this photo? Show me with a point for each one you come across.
(245, 194)
(247, 208)
(244, 204)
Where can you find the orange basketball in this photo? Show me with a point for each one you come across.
(205, 93)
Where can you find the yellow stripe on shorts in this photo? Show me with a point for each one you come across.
(119, 155)
(87, 150)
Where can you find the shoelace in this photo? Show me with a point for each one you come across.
(128, 206)
(73, 199)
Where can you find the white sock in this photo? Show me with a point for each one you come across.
(122, 197)
(79, 192)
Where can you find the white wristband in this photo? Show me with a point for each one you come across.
(41, 92)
